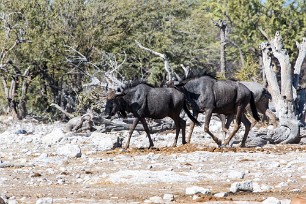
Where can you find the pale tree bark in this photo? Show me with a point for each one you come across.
(300, 90)
(164, 58)
(222, 25)
(288, 130)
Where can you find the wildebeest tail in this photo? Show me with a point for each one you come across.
(253, 108)
(190, 115)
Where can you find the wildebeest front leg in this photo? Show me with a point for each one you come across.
(208, 114)
(135, 122)
(240, 112)
(146, 128)
(195, 115)
(225, 122)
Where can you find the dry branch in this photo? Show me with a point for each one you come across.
(163, 57)
(69, 115)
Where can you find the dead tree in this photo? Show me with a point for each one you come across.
(11, 76)
(164, 58)
(283, 93)
(222, 25)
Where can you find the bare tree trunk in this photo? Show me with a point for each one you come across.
(288, 130)
(299, 62)
(22, 109)
(300, 91)
(222, 26)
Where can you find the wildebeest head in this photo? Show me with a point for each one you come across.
(114, 104)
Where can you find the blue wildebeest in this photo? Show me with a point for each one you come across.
(261, 97)
(209, 95)
(146, 101)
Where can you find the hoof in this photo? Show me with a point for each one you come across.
(123, 150)
(219, 143)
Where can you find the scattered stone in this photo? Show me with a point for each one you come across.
(196, 189)
(44, 201)
(11, 201)
(105, 142)
(196, 197)
(54, 137)
(285, 201)
(271, 200)
(221, 195)
(296, 190)
(260, 188)
(156, 199)
(236, 174)
(21, 131)
(69, 150)
(168, 197)
(242, 186)
(282, 184)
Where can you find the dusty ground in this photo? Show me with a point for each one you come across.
(31, 169)
(105, 191)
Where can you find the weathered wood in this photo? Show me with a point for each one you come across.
(288, 130)
(221, 24)
(69, 115)
(299, 62)
(163, 57)
(286, 71)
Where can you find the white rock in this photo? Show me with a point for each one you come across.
(156, 199)
(285, 201)
(196, 189)
(104, 142)
(296, 190)
(69, 150)
(54, 137)
(221, 195)
(281, 185)
(196, 197)
(44, 201)
(256, 188)
(236, 174)
(13, 201)
(271, 200)
(241, 186)
(168, 197)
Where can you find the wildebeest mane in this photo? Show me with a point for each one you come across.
(134, 83)
(195, 74)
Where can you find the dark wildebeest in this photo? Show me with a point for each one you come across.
(261, 97)
(146, 101)
(209, 95)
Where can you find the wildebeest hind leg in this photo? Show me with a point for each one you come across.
(208, 114)
(135, 122)
(183, 127)
(146, 128)
(237, 124)
(195, 115)
(177, 130)
(247, 125)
